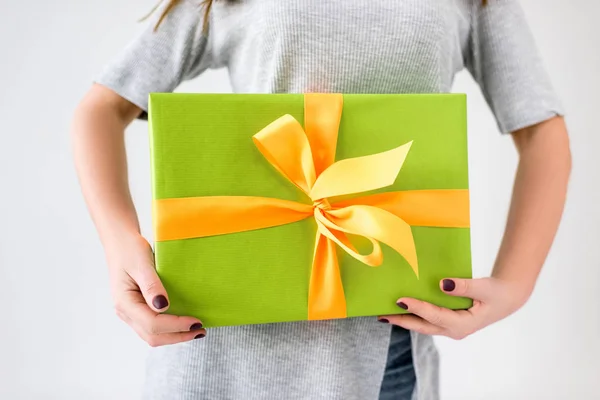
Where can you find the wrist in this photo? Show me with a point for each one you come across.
(117, 238)
(519, 288)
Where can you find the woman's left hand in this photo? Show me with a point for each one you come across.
(493, 300)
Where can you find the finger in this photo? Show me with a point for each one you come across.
(167, 338)
(134, 308)
(413, 323)
(145, 276)
(431, 313)
(477, 289)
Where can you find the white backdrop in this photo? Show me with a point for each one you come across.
(59, 336)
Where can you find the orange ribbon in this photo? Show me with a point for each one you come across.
(306, 158)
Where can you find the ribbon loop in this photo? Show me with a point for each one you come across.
(285, 145)
(335, 232)
(360, 174)
(380, 225)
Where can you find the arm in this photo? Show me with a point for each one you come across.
(98, 143)
(503, 59)
(535, 212)
(537, 203)
(99, 150)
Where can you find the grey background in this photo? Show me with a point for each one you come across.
(59, 336)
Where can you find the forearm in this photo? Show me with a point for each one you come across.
(537, 203)
(100, 159)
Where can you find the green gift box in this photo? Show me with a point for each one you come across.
(234, 182)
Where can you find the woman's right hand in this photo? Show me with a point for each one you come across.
(140, 298)
(98, 140)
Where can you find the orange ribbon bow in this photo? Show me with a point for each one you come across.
(306, 157)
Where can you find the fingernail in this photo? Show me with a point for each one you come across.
(402, 305)
(385, 321)
(448, 285)
(160, 302)
(196, 326)
(199, 336)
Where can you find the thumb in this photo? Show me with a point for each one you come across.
(476, 289)
(145, 276)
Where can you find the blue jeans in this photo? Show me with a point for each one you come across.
(399, 378)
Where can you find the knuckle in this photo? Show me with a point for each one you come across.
(435, 316)
(436, 320)
(150, 286)
(152, 328)
(153, 341)
(465, 286)
(461, 335)
(121, 316)
(469, 332)
(429, 330)
(422, 330)
(119, 308)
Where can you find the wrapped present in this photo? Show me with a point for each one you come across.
(288, 207)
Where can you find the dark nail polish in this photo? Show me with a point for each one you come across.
(402, 305)
(199, 336)
(160, 302)
(196, 326)
(385, 321)
(448, 285)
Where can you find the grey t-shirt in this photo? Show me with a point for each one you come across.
(350, 46)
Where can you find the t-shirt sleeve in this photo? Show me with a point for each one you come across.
(158, 60)
(503, 59)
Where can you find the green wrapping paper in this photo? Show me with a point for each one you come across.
(201, 145)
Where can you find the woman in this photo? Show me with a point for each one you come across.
(270, 46)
